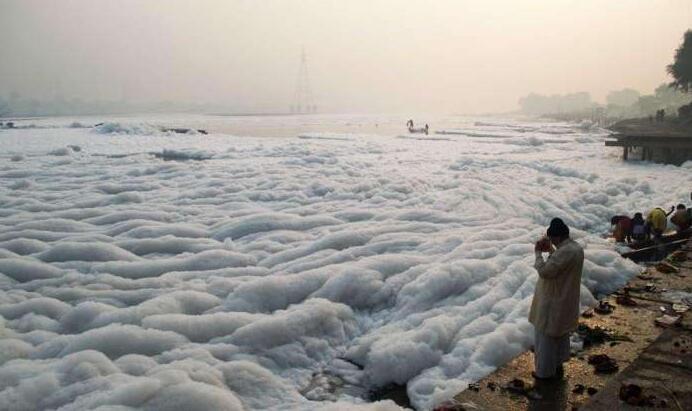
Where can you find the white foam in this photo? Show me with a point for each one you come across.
(131, 129)
(25, 269)
(182, 155)
(269, 222)
(127, 281)
(205, 260)
(69, 251)
(113, 340)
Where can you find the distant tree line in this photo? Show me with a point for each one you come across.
(538, 104)
(681, 71)
(672, 97)
(619, 103)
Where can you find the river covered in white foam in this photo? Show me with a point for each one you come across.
(142, 269)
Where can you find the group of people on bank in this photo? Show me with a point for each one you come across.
(660, 116)
(638, 228)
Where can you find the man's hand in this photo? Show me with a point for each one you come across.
(538, 246)
(542, 245)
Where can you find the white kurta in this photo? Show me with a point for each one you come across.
(550, 353)
(555, 305)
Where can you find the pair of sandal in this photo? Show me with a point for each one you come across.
(604, 307)
(603, 364)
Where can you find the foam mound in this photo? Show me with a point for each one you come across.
(132, 129)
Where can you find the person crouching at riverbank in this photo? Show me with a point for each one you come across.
(657, 222)
(682, 218)
(622, 228)
(555, 306)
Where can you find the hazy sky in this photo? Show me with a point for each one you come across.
(375, 55)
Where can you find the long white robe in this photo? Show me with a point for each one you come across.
(555, 305)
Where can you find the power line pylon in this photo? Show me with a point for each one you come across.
(303, 102)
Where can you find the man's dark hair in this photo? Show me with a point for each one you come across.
(558, 228)
(681, 206)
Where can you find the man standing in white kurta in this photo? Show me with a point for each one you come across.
(555, 306)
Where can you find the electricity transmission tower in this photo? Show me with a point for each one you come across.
(302, 99)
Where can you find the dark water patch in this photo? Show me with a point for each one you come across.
(394, 392)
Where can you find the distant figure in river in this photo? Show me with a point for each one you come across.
(623, 228)
(681, 218)
(555, 306)
(639, 228)
(409, 125)
(426, 129)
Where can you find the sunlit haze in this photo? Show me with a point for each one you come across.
(363, 56)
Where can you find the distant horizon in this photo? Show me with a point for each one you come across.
(188, 107)
(259, 114)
